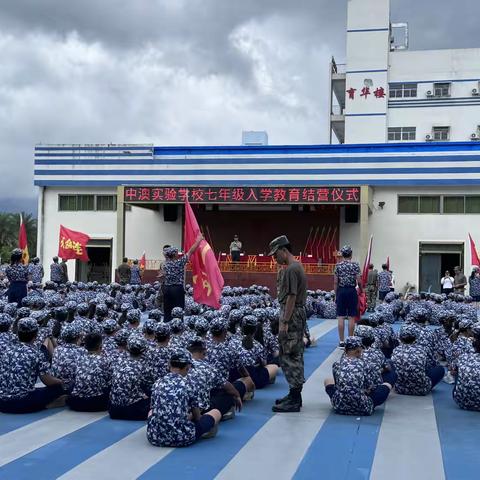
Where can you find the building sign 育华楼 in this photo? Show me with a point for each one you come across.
(250, 195)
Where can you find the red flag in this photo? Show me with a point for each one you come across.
(22, 241)
(388, 263)
(368, 259)
(473, 252)
(142, 261)
(207, 279)
(72, 245)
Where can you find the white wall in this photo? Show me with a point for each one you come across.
(98, 225)
(146, 231)
(398, 236)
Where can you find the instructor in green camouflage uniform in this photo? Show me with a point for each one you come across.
(292, 294)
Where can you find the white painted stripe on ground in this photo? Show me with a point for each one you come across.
(17, 443)
(409, 433)
(277, 449)
(126, 459)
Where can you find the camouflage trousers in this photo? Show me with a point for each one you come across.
(371, 297)
(291, 349)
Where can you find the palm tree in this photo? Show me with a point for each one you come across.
(9, 225)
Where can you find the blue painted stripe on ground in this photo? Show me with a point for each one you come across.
(10, 421)
(343, 448)
(59, 456)
(198, 461)
(459, 435)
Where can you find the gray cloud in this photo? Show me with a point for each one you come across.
(179, 71)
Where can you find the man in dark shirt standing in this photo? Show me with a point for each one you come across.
(292, 295)
(372, 288)
(124, 272)
(460, 281)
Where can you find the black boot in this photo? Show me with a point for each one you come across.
(292, 404)
(278, 401)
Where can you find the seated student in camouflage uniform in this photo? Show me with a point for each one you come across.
(129, 394)
(410, 361)
(67, 355)
(6, 336)
(351, 391)
(20, 365)
(212, 392)
(175, 419)
(93, 377)
(466, 391)
(252, 353)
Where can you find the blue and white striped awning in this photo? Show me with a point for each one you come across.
(432, 163)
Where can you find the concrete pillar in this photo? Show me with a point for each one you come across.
(365, 201)
(120, 237)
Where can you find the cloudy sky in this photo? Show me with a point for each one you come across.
(179, 72)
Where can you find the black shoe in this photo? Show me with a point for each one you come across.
(289, 406)
(341, 345)
(278, 401)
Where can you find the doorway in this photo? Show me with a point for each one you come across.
(99, 266)
(435, 259)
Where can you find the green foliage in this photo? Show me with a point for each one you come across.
(9, 225)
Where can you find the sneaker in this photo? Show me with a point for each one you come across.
(249, 396)
(341, 345)
(448, 378)
(212, 433)
(230, 415)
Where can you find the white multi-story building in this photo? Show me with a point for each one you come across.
(407, 171)
(387, 93)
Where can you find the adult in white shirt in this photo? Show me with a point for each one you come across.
(447, 283)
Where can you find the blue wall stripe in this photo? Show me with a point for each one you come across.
(432, 100)
(361, 30)
(265, 161)
(100, 155)
(299, 149)
(470, 104)
(86, 147)
(367, 71)
(59, 456)
(343, 448)
(459, 435)
(272, 171)
(276, 183)
(364, 114)
(232, 436)
(452, 80)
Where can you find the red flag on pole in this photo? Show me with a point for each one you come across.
(207, 279)
(368, 259)
(72, 245)
(142, 262)
(22, 241)
(473, 252)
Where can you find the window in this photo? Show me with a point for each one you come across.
(106, 202)
(472, 204)
(67, 203)
(454, 204)
(429, 204)
(397, 134)
(87, 203)
(441, 89)
(408, 204)
(399, 90)
(441, 134)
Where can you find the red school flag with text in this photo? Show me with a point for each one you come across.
(142, 261)
(473, 252)
(22, 241)
(72, 245)
(207, 278)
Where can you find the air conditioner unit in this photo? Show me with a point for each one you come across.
(474, 136)
(428, 138)
(475, 92)
(429, 93)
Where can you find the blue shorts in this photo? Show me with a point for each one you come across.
(204, 425)
(347, 302)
